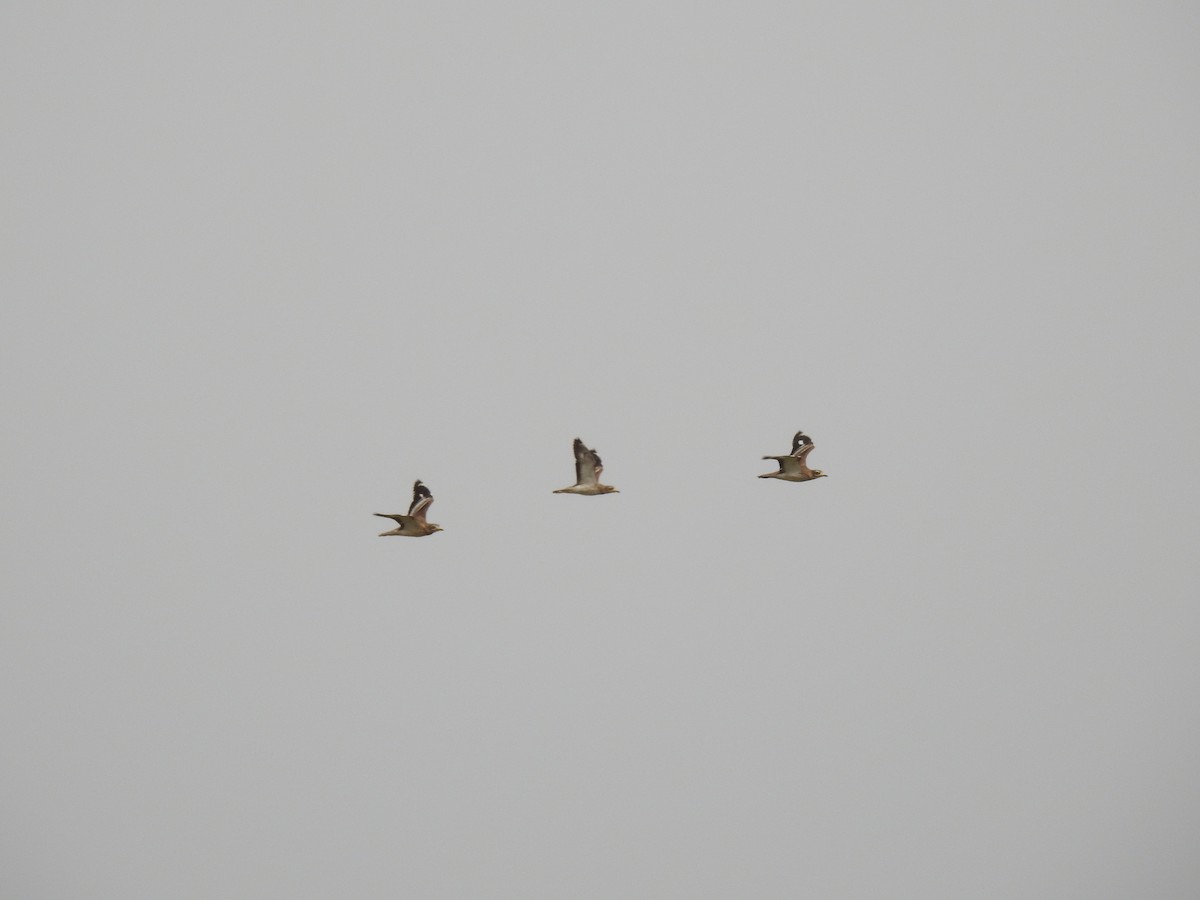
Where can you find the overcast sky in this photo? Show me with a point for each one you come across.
(266, 264)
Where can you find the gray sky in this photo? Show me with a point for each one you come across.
(266, 266)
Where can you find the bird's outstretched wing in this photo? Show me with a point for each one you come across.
(789, 465)
(421, 501)
(587, 465)
(404, 524)
(801, 440)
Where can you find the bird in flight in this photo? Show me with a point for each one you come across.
(794, 467)
(413, 524)
(587, 474)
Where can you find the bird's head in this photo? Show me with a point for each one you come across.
(817, 473)
(433, 528)
(609, 489)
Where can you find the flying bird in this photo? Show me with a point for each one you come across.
(587, 474)
(794, 467)
(413, 524)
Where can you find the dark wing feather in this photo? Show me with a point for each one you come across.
(800, 440)
(422, 500)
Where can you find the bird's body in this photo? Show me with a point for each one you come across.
(588, 490)
(794, 466)
(413, 524)
(587, 474)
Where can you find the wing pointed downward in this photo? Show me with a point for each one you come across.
(587, 464)
(422, 500)
(790, 465)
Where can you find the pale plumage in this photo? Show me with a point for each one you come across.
(587, 474)
(794, 467)
(413, 524)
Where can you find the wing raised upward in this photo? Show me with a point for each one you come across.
(587, 465)
(421, 501)
(801, 440)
